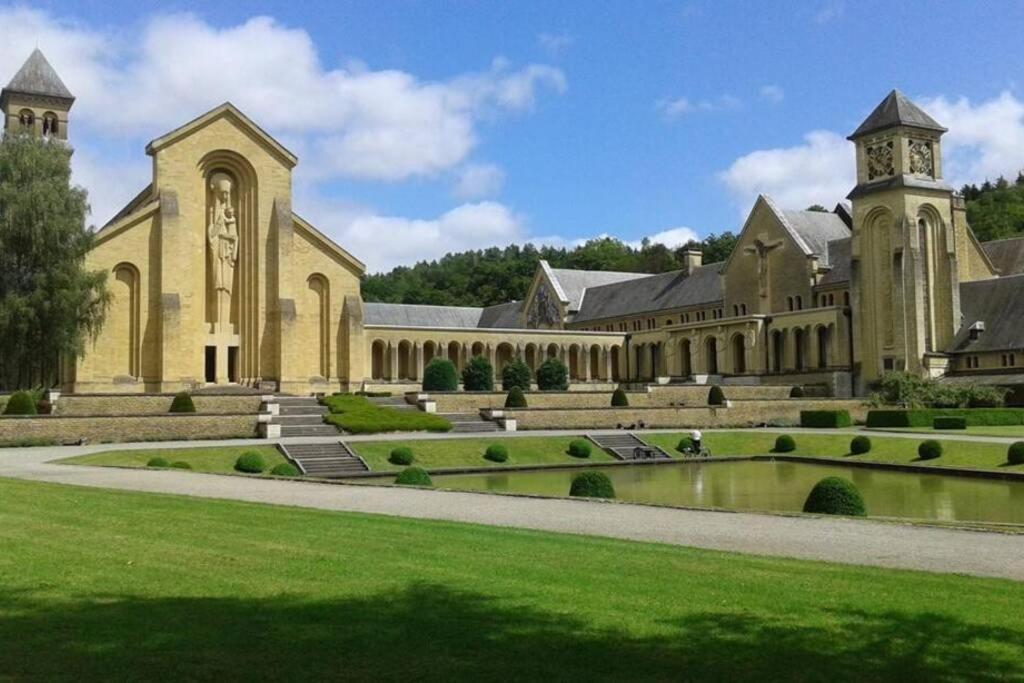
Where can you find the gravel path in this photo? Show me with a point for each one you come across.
(849, 541)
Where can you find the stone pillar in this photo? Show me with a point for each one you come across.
(442, 350)
(392, 361)
(584, 363)
(416, 364)
(607, 352)
(492, 355)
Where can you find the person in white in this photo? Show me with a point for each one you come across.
(695, 436)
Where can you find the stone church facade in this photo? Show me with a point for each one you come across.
(216, 280)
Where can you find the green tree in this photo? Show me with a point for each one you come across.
(50, 304)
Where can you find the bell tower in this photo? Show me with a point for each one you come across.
(36, 102)
(904, 276)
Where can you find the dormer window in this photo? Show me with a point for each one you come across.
(976, 330)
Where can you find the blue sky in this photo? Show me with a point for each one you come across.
(427, 127)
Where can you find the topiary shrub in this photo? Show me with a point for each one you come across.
(400, 456)
(181, 465)
(784, 444)
(20, 403)
(860, 445)
(715, 396)
(685, 444)
(579, 448)
(929, 450)
(825, 419)
(552, 375)
(592, 485)
(496, 452)
(182, 403)
(414, 476)
(619, 399)
(478, 375)
(835, 496)
(285, 469)
(1015, 454)
(516, 374)
(158, 462)
(797, 392)
(949, 423)
(439, 375)
(250, 462)
(515, 398)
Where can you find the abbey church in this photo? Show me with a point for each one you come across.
(217, 280)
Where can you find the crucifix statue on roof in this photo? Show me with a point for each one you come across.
(762, 248)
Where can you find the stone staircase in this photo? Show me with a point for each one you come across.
(302, 416)
(470, 423)
(328, 460)
(396, 402)
(623, 446)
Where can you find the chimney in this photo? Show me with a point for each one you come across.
(692, 260)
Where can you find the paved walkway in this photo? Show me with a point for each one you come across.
(836, 540)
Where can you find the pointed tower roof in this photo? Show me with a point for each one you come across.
(896, 110)
(37, 77)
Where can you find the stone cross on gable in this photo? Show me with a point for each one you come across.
(762, 248)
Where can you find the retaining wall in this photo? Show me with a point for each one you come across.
(79, 405)
(170, 427)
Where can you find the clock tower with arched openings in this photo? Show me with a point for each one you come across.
(36, 102)
(908, 228)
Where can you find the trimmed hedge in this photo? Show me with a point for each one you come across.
(400, 456)
(784, 444)
(356, 415)
(950, 422)
(796, 392)
(516, 374)
(478, 375)
(715, 396)
(182, 403)
(1015, 453)
(579, 448)
(925, 417)
(20, 403)
(414, 476)
(250, 462)
(552, 375)
(619, 399)
(515, 398)
(285, 469)
(496, 452)
(158, 462)
(181, 465)
(592, 485)
(439, 375)
(825, 419)
(835, 496)
(860, 445)
(929, 450)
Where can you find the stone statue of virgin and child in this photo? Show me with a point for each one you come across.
(222, 235)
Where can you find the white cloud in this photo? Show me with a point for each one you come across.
(478, 180)
(819, 171)
(674, 108)
(832, 10)
(554, 43)
(671, 238)
(773, 93)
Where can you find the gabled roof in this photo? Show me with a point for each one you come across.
(1006, 255)
(329, 244)
(225, 110)
(839, 262)
(502, 316)
(671, 290)
(999, 303)
(811, 230)
(414, 315)
(571, 284)
(37, 77)
(896, 110)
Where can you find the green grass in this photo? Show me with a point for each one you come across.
(115, 585)
(837, 445)
(1008, 431)
(357, 415)
(213, 459)
(439, 453)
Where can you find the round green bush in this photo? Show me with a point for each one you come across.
(285, 469)
(1015, 454)
(496, 452)
(685, 444)
(516, 374)
(784, 444)
(716, 397)
(929, 450)
(835, 496)
(478, 375)
(796, 392)
(552, 375)
(182, 403)
(439, 375)
(181, 465)
(250, 462)
(515, 398)
(579, 448)
(401, 456)
(414, 476)
(158, 462)
(860, 445)
(592, 485)
(20, 403)
(619, 399)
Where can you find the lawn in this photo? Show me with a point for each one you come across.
(357, 415)
(213, 459)
(1008, 431)
(883, 449)
(116, 585)
(440, 453)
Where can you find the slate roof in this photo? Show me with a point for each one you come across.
(999, 303)
(813, 230)
(839, 260)
(896, 110)
(574, 282)
(673, 289)
(502, 316)
(1006, 255)
(37, 77)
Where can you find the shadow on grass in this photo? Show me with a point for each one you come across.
(431, 632)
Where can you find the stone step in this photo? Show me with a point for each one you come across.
(303, 410)
(623, 446)
(309, 430)
(326, 459)
(297, 419)
(474, 427)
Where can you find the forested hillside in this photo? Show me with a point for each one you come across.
(495, 276)
(996, 210)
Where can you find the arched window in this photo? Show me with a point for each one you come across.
(50, 124)
(823, 339)
(799, 303)
(711, 355)
(789, 302)
(27, 120)
(739, 355)
(743, 309)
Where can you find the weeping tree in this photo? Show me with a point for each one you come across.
(50, 304)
